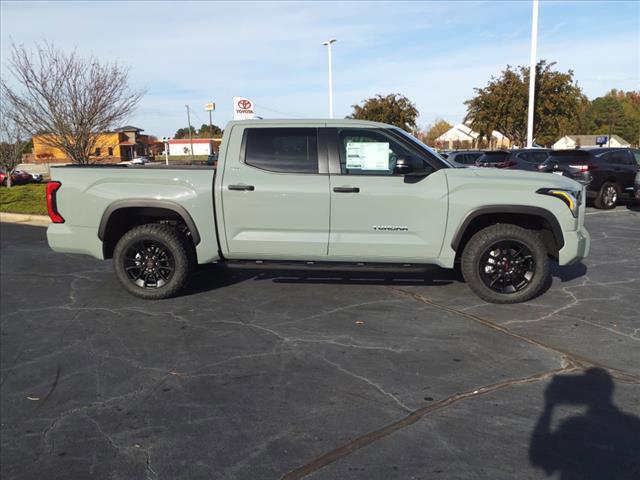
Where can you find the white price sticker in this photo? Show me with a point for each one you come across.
(368, 155)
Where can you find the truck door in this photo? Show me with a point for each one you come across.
(378, 214)
(275, 200)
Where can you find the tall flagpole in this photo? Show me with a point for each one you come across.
(532, 73)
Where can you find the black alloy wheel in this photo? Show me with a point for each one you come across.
(507, 267)
(506, 263)
(154, 261)
(149, 264)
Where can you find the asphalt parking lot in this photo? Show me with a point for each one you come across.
(256, 374)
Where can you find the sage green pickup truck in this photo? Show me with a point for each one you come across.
(319, 192)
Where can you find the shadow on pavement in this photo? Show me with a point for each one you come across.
(214, 276)
(211, 277)
(634, 207)
(568, 273)
(602, 443)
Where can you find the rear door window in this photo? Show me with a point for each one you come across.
(285, 150)
(618, 157)
(538, 157)
(565, 157)
(493, 157)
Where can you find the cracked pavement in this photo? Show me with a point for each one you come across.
(260, 374)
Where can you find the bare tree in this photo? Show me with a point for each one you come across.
(67, 99)
(12, 144)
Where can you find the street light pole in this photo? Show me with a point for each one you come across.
(532, 73)
(165, 141)
(190, 131)
(328, 43)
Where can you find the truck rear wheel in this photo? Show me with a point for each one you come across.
(153, 261)
(505, 264)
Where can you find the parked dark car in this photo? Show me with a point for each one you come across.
(518, 159)
(493, 158)
(19, 177)
(527, 158)
(608, 173)
(212, 160)
(464, 157)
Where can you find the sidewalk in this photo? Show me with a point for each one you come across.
(24, 219)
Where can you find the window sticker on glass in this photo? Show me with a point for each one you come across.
(368, 155)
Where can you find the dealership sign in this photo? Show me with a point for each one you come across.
(242, 108)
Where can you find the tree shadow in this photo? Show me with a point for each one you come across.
(603, 443)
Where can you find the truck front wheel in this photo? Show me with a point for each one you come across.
(152, 261)
(505, 264)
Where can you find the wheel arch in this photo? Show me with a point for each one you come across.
(122, 215)
(536, 218)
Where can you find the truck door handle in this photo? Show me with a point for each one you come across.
(248, 188)
(346, 189)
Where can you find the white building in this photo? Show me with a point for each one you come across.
(182, 146)
(574, 141)
(461, 136)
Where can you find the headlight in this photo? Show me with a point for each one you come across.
(571, 198)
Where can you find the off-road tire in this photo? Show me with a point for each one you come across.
(482, 241)
(176, 244)
(602, 201)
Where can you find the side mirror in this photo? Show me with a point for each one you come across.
(412, 166)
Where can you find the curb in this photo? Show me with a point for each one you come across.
(25, 219)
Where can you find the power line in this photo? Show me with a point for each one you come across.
(278, 111)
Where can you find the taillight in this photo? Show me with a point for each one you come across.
(583, 168)
(507, 164)
(52, 205)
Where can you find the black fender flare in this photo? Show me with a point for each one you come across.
(510, 209)
(146, 203)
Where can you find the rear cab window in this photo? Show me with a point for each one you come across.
(283, 150)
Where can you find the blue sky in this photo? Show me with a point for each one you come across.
(433, 52)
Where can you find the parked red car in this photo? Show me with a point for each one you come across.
(19, 177)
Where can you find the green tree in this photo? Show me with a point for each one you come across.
(395, 109)
(206, 132)
(502, 105)
(184, 133)
(616, 113)
(434, 130)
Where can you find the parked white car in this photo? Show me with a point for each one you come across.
(142, 160)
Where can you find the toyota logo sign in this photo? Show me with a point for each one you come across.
(243, 108)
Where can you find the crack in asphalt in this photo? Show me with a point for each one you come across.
(571, 361)
(413, 417)
(573, 357)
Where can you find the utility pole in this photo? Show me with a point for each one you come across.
(532, 73)
(190, 131)
(328, 44)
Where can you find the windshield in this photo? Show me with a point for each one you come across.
(422, 146)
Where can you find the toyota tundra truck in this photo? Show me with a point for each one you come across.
(320, 192)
